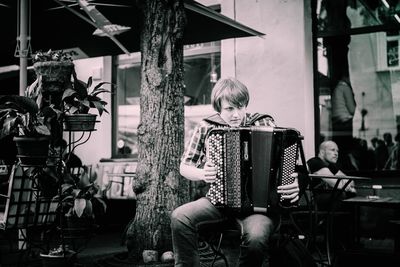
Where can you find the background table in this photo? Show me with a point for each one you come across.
(384, 202)
(335, 193)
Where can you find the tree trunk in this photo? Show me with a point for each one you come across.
(159, 186)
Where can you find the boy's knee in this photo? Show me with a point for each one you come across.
(178, 217)
(257, 239)
(257, 242)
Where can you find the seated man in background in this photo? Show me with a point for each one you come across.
(325, 164)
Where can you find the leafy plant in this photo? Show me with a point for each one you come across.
(79, 196)
(20, 115)
(50, 55)
(79, 99)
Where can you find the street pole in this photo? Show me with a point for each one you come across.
(23, 40)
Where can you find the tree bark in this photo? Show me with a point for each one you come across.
(159, 186)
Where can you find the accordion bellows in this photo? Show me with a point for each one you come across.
(251, 162)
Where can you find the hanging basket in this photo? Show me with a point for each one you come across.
(55, 75)
(32, 151)
(80, 122)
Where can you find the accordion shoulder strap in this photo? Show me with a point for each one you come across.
(250, 119)
(216, 120)
(256, 117)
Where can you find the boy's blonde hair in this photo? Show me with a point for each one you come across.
(231, 90)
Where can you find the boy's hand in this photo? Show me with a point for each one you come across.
(209, 172)
(290, 191)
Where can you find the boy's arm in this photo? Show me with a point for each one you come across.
(191, 172)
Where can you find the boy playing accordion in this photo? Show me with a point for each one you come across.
(229, 98)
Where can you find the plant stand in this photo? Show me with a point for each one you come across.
(76, 232)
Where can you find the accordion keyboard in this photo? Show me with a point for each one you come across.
(224, 152)
(288, 164)
(215, 155)
(233, 177)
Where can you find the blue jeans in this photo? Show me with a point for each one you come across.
(255, 232)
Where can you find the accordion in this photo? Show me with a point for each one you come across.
(251, 162)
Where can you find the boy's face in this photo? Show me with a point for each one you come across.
(231, 114)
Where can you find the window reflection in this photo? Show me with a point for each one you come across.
(201, 70)
(350, 46)
(342, 16)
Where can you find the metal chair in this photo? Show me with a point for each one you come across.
(213, 234)
(229, 229)
(27, 209)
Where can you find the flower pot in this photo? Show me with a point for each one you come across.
(78, 228)
(55, 75)
(80, 122)
(32, 151)
(82, 223)
(78, 231)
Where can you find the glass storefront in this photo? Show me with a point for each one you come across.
(358, 81)
(202, 69)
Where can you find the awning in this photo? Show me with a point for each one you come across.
(61, 29)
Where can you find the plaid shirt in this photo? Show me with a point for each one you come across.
(195, 152)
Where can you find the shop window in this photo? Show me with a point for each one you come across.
(201, 71)
(359, 40)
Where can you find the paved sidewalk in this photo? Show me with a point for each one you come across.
(105, 250)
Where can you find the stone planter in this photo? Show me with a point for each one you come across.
(54, 76)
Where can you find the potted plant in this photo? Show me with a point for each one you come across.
(78, 100)
(53, 69)
(30, 127)
(53, 75)
(80, 200)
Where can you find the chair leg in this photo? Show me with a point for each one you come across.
(217, 251)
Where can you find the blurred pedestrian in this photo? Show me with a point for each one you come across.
(387, 137)
(343, 109)
(381, 153)
(393, 162)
